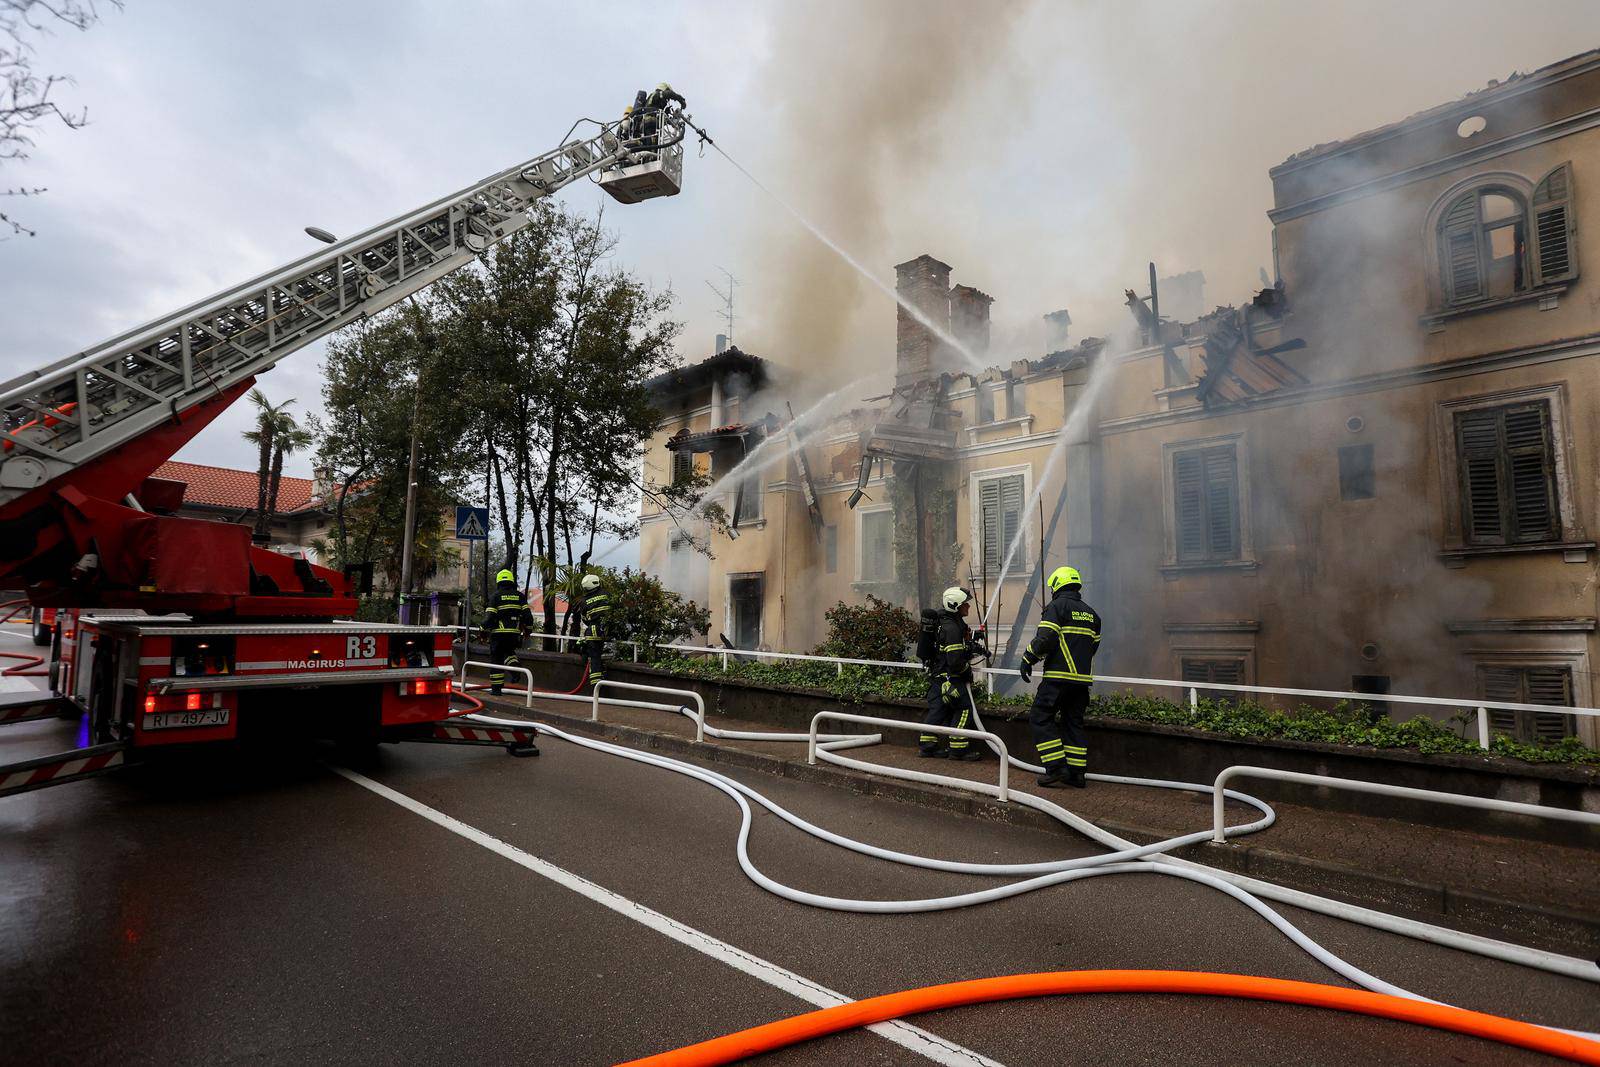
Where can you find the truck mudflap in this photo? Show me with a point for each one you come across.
(63, 767)
(517, 740)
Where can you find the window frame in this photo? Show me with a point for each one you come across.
(1245, 654)
(1570, 530)
(1535, 197)
(728, 624)
(1575, 662)
(1350, 475)
(1246, 558)
(1027, 549)
(861, 543)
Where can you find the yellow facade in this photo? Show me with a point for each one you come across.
(1301, 501)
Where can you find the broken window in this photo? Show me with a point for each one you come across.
(985, 404)
(1507, 466)
(877, 546)
(830, 548)
(1372, 683)
(744, 609)
(1206, 506)
(1014, 395)
(1544, 684)
(1001, 502)
(749, 500)
(1491, 246)
(1356, 478)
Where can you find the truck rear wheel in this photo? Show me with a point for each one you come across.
(41, 632)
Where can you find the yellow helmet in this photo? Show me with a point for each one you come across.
(628, 110)
(505, 576)
(664, 87)
(1062, 577)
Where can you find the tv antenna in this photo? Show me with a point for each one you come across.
(725, 313)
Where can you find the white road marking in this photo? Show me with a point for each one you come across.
(912, 1038)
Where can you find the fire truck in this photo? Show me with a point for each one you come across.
(169, 632)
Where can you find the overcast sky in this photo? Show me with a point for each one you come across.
(1045, 150)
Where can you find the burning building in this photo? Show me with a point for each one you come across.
(1375, 474)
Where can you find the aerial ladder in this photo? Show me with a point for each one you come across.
(212, 625)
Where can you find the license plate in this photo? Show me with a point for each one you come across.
(170, 720)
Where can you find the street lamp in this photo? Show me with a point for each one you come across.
(320, 234)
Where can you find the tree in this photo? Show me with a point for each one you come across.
(562, 345)
(272, 422)
(375, 375)
(27, 97)
(289, 439)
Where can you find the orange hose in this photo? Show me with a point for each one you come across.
(785, 1032)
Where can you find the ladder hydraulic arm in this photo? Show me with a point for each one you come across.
(81, 435)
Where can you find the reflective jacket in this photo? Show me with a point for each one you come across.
(594, 609)
(507, 612)
(954, 657)
(1069, 634)
(660, 98)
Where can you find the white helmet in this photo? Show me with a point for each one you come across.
(591, 582)
(954, 597)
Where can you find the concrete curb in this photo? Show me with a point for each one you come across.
(1457, 907)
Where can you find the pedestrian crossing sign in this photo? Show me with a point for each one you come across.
(472, 524)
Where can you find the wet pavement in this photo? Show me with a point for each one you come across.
(262, 908)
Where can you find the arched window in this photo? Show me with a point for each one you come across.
(1494, 244)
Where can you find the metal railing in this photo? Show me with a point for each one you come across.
(1002, 792)
(699, 702)
(525, 672)
(1356, 785)
(1472, 705)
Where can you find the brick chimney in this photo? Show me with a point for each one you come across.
(924, 283)
(969, 318)
(1055, 331)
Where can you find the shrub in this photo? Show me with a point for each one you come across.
(644, 610)
(874, 630)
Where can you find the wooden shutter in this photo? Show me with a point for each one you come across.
(1478, 454)
(1553, 686)
(1461, 251)
(1555, 251)
(1188, 479)
(1503, 684)
(1222, 503)
(1550, 685)
(989, 509)
(1011, 501)
(1195, 670)
(1228, 671)
(682, 466)
(1531, 470)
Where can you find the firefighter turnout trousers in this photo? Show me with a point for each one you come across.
(949, 704)
(1057, 722)
(503, 645)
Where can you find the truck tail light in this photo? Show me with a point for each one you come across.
(423, 687)
(149, 703)
(192, 702)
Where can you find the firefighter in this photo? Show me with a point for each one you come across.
(950, 681)
(593, 610)
(662, 96)
(506, 620)
(1069, 635)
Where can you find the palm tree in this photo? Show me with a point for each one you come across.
(271, 420)
(288, 440)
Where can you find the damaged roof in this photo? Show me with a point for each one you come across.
(1476, 98)
(730, 363)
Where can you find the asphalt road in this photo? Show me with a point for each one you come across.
(263, 908)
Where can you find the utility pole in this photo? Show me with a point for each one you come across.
(425, 338)
(411, 492)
